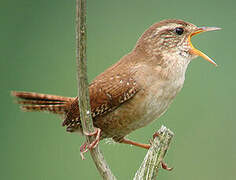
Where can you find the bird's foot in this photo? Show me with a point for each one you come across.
(96, 133)
(85, 147)
(163, 164)
(145, 146)
(156, 134)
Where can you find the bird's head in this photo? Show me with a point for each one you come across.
(172, 37)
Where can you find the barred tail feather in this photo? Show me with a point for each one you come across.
(43, 102)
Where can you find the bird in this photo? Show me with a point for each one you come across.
(136, 90)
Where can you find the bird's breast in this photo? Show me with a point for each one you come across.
(156, 101)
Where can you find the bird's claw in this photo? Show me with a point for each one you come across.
(156, 134)
(83, 149)
(165, 166)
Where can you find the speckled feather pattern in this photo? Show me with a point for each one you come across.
(108, 91)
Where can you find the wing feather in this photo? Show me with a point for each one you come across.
(107, 92)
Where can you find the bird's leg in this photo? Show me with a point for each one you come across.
(85, 147)
(127, 141)
(145, 146)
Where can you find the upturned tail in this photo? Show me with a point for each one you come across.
(43, 102)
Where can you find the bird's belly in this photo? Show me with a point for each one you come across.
(138, 112)
(153, 107)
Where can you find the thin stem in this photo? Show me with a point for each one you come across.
(83, 93)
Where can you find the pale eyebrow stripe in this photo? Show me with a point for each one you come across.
(170, 26)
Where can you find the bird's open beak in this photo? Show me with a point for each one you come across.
(196, 51)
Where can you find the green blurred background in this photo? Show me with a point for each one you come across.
(38, 54)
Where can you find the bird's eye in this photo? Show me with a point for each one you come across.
(179, 31)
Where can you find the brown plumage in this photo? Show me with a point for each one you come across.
(134, 91)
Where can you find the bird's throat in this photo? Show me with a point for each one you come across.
(175, 65)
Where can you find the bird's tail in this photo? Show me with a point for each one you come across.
(30, 101)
